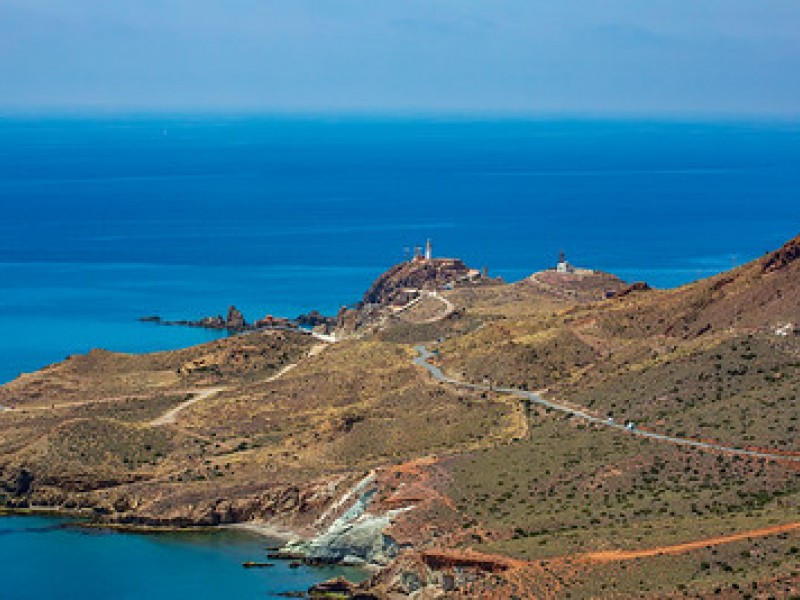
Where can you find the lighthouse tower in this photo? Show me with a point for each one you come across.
(563, 266)
(428, 250)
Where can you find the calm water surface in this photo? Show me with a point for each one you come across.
(40, 559)
(106, 220)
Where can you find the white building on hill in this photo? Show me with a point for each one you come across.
(564, 267)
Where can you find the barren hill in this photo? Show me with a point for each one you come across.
(461, 487)
(760, 295)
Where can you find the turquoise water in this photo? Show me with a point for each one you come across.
(39, 559)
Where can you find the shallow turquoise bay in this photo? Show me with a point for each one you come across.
(40, 558)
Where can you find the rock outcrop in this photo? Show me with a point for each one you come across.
(782, 257)
(339, 587)
(639, 286)
(270, 321)
(355, 537)
(314, 319)
(398, 284)
(235, 319)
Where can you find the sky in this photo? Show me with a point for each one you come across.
(717, 57)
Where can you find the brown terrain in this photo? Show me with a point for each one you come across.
(460, 489)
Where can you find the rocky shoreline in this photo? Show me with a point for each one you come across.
(340, 586)
(344, 531)
(235, 322)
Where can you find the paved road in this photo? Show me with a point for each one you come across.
(438, 375)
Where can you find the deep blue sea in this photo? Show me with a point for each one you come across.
(106, 220)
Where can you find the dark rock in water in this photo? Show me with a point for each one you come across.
(210, 322)
(256, 565)
(314, 318)
(337, 586)
(282, 554)
(291, 594)
(236, 322)
(235, 319)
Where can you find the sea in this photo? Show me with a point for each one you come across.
(49, 558)
(107, 219)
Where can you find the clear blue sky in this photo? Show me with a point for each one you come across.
(718, 57)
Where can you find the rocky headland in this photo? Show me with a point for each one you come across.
(457, 486)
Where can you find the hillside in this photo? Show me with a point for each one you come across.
(461, 487)
(399, 284)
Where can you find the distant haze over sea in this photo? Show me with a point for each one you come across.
(107, 220)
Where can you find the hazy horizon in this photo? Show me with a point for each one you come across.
(511, 58)
(230, 113)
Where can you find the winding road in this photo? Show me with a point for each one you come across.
(534, 398)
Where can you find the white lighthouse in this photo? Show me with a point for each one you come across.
(428, 250)
(563, 266)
